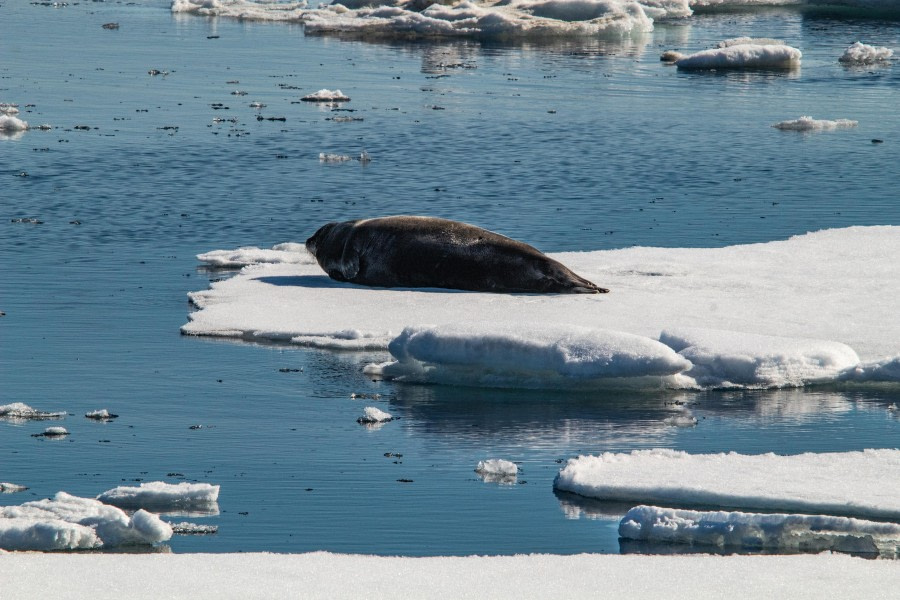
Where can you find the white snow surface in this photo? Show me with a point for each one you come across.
(781, 532)
(743, 56)
(280, 253)
(829, 296)
(334, 576)
(497, 466)
(68, 522)
(864, 54)
(162, 496)
(807, 123)
(853, 484)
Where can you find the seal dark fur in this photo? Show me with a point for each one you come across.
(407, 251)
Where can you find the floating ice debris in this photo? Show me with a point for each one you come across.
(279, 253)
(260, 10)
(743, 56)
(804, 533)
(52, 432)
(863, 54)
(71, 523)
(671, 56)
(239, 93)
(101, 415)
(21, 411)
(355, 396)
(497, 467)
(159, 495)
(806, 123)
(324, 95)
(110, 26)
(333, 158)
(374, 415)
(11, 488)
(44, 127)
(155, 72)
(684, 419)
(853, 484)
(8, 108)
(11, 124)
(497, 354)
(257, 105)
(892, 406)
(186, 528)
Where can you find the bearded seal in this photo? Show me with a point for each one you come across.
(409, 251)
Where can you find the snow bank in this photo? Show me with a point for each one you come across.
(852, 484)
(810, 124)
(781, 532)
(743, 56)
(863, 54)
(19, 411)
(71, 523)
(253, 576)
(828, 295)
(159, 495)
(539, 356)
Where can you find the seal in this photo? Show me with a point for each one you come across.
(411, 251)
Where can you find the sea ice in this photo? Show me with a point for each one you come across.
(19, 411)
(810, 124)
(11, 124)
(497, 466)
(863, 54)
(781, 532)
(11, 488)
(101, 415)
(324, 95)
(280, 253)
(743, 56)
(68, 522)
(52, 432)
(159, 495)
(8, 108)
(374, 415)
(853, 484)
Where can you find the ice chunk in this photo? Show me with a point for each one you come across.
(732, 359)
(863, 54)
(52, 432)
(186, 528)
(537, 356)
(101, 415)
(7, 108)
(11, 124)
(497, 467)
(70, 522)
(838, 483)
(781, 532)
(324, 95)
(163, 496)
(810, 124)
(19, 411)
(743, 56)
(374, 415)
(11, 488)
(290, 253)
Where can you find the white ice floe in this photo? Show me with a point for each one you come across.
(742, 56)
(825, 293)
(52, 432)
(68, 522)
(501, 354)
(7, 108)
(325, 95)
(162, 496)
(11, 124)
(497, 466)
(253, 10)
(100, 415)
(806, 123)
(853, 484)
(373, 415)
(779, 532)
(334, 158)
(11, 488)
(863, 54)
(187, 528)
(280, 253)
(19, 411)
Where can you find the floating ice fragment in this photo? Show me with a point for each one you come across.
(291, 253)
(863, 54)
(741, 41)
(324, 95)
(11, 124)
(186, 528)
(794, 532)
(52, 432)
(159, 495)
(806, 123)
(743, 56)
(8, 108)
(497, 466)
(19, 411)
(101, 415)
(257, 105)
(374, 415)
(11, 488)
(333, 158)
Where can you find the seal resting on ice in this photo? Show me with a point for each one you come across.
(409, 251)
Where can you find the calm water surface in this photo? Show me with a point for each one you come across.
(574, 145)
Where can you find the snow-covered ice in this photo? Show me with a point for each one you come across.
(280, 253)
(864, 54)
(807, 123)
(781, 532)
(497, 466)
(100, 415)
(11, 488)
(830, 297)
(374, 415)
(20, 412)
(743, 56)
(52, 432)
(162, 496)
(68, 522)
(325, 95)
(11, 124)
(854, 484)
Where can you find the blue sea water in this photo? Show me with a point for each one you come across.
(570, 145)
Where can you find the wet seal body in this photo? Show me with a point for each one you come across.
(408, 251)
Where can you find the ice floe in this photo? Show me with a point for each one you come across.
(11, 488)
(325, 95)
(743, 56)
(11, 124)
(372, 415)
(852, 484)
(52, 432)
(101, 415)
(863, 54)
(497, 470)
(161, 496)
(827, 316)
(806, 123)
(19, 412)
(68, 522)
(781, 532)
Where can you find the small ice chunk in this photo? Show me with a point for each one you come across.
(8, 109)
(796, 532)
(684, 419)
(863, 54)
(11, 488)
(333, 158)
(807, 123)
(186, 528)
(743, 56)
(497, 466)
(374, 415)
(19, 411)
(325, 95)
(101, 415)
(52, 432)
(11, 124)
(671, 56)
(162, 496)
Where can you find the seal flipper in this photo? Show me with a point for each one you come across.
(349, 268)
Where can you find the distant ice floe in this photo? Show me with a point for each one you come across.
(758, 54)
(497, 470)
(11, 488)
(324, 95)
(68, 522)
(806, 123)
(852, 484)
(20, 412)
(863, 54)
(754, 531)
(8, 108)
(197, 498)
(372, 415)
(12, 127)
(676, 318)
(52, 432)
(101, 415)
